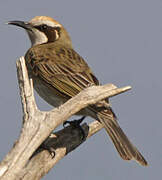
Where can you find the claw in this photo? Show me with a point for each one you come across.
(49, 149)
(66, 122)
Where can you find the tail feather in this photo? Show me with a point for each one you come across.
(125, 148)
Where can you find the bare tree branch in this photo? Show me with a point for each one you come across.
(62, 142)
(20, 163)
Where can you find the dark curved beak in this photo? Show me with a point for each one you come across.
(22, 24)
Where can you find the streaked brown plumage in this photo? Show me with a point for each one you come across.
(59, 73)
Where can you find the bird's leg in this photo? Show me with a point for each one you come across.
(50, 149)
(76, 124)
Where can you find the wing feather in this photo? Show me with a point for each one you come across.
(62, 68)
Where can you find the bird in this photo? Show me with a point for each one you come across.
(59, 73)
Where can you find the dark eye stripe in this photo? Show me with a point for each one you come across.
(51, 32)
(45, 27)
(42, 27)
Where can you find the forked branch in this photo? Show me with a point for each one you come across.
(26, 160)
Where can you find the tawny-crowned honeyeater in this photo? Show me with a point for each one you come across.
(59, 73)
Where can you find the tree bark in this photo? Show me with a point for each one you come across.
(27, 160)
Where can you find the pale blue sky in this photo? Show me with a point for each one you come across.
(122, 43)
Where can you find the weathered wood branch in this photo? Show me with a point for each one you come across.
(23, 161)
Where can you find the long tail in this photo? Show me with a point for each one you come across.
(125, 148)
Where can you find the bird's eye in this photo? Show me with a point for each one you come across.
(44, 27)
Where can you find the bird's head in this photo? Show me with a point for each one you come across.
(44, 29)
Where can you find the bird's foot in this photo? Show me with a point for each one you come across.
(76, 124)
(49, 149)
